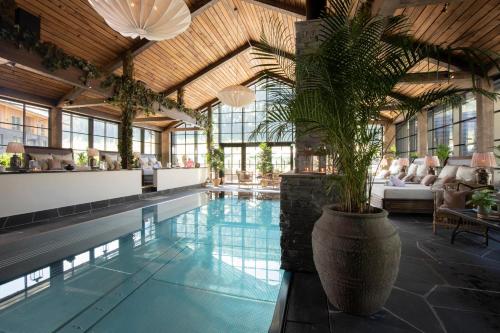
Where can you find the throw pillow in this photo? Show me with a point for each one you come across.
(408, 178)
(117, 165)
(412, 170)
(394, 168)
(385, 174)
(440, 182)
(466, 174)
(455, 199)
(402, 175)
(397, 182)
(428, 180)
(421, 172)
(448, 171)
(54, 164)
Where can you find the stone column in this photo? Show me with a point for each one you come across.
(55, 124)
(389, 136)
(485, 118)
(422, 134)
(165, 147)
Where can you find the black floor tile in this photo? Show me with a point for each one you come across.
(293, 327)
(307, 293)
(417, 276)
(467, 322)
(465, 299)
(382, 322)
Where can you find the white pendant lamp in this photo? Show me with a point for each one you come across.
(236, 96)
(151, 19)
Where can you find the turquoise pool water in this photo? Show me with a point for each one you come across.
(213, 269)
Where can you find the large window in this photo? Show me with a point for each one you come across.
(76, 132)
(146, 141)
(188, 145)
(407, 137)
(20, 122)
(105, 135)
(443, 122)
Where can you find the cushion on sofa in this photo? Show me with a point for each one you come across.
(54, 164)
(466, 174)
(395, 181)
(421, 172)
(394, 168)
(440, 182)
(408, 178)
(448, 171)
(412, 170)
(428, 180)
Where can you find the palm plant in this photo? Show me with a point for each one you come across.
(344, 84)
(443, 152)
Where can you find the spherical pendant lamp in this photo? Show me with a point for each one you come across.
(151, 19)
(236, 96)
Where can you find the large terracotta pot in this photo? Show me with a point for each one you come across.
(357, 259)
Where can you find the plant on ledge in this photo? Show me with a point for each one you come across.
(483, 200)
(265, 163)
(343, 84)
(443, 152)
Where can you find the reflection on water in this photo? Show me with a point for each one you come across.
(237, 236)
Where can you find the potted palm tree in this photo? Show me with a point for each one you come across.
(341, 88)
(216, 161)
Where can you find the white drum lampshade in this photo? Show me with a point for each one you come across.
(151, 19)
(236, 96)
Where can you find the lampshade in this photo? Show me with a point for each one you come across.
(404, 161)
(15, 148)
(92, 152)
(431, 161)
(236, 96)
(384, 163)
(151, 19)
(483, 160)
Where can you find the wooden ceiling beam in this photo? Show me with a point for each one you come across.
(280, 7)
(152, 119)
(208, 69)
(165, 114)
(185, 129)
(433, 77)
(84, 103)
(217, 64)
(139, 47)
(387, 7)
(29, 61)
(27, 97)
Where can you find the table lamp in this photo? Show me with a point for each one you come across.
(483, 161)
(137, 157)
(431, 162)
(92, 154)
(15, 148)
(403, 162)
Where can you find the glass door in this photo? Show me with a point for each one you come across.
(232, 163)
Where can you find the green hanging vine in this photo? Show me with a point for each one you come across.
(53, 57)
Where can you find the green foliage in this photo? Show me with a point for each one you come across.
(4, 160)
(82, 159)
(484, 198)
(216, 160)
(392, 150)
(443, 152)
(344, 84)
(53, 57)
(264, 157)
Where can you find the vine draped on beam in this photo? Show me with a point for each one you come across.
(125, 90)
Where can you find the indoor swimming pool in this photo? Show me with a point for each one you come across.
(215, 268)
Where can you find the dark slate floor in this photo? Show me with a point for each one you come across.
(440, 288)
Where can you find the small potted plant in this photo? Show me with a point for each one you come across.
(443, 152)
(216, 161)
(484, 200)
(3, 164)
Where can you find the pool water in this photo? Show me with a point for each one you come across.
(212, 269)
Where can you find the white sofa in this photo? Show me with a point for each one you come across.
(417, 198)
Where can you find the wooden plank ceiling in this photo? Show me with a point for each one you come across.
(214, 34)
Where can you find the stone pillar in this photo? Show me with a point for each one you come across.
(165, 147)
(306, 40)
(55, 125)
(485, 118)
(422, 134)
(389, 136)
(210, 138)
(302, 199)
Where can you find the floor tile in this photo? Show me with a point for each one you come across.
(466, 299)
(467, 322)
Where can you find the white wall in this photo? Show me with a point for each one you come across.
(30, 192)
(165, 179)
